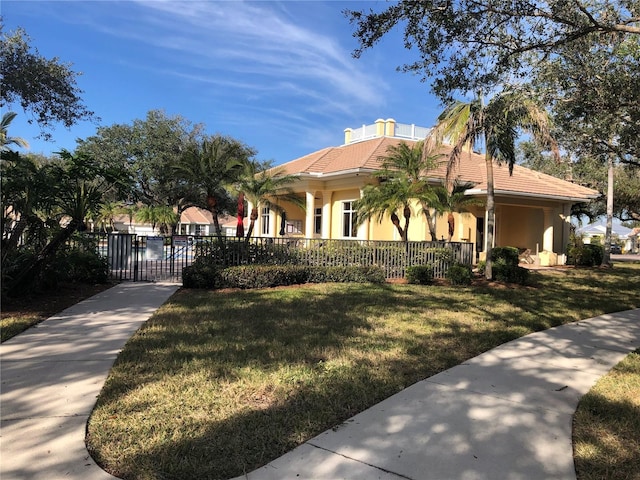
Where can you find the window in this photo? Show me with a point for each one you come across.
(349, 219)
(264, 221)
(317, 221)
(294, 227)
(201, 230)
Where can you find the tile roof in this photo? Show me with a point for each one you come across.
(366, 155)
(196, 215)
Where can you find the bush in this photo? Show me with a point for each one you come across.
(346, 274)
(460, 274)
(203, 273)
(505, 266)
(83, 267)
(207, 274)
(505, 256)
(263, 276)
(597, 253)
(586, 255)
(482, 267)
(509, 273)
(420, 274)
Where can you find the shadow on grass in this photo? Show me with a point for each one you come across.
(605, 438)
(228, 333)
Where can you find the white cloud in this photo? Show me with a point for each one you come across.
(241, 38)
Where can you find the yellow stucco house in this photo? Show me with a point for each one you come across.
(532, 209)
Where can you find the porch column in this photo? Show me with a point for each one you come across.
(547, 239)
(547, 257)
(311, 205)
(326, 214)
(566, 231)
(363, 230)
(273, 227)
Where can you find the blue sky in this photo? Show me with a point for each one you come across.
(277, 75)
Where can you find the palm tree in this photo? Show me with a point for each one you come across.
(148, 214)
(5, 139)
(107, 213)
(264, 186)
(210, 168)
(400, 181)
(166, 218)
(385, 199)
(78, 186)
(130, 210)
(26, 186)
(495, 126)
(456, 201)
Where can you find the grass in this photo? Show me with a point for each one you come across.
(607, 424)
(217, 384)
(19, 314)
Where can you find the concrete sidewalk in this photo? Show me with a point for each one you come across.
(51, 375)
(505, 414)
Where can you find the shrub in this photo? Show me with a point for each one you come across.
(505, 266)
(586, 255)
(207, 274)
(509, 273)
(460, 274)
(505, 255)
(597, 253)
(420, 274)
(482, 267)
(83, 267)
(203, 273)
(263, 276)
(346, 274)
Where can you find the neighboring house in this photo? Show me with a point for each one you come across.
(193, 221)
(532, 209)
(595, 233)
(196, 221)
(634, 239)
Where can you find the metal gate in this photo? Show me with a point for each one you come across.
(147, 258)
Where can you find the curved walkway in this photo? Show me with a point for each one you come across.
(505, 414)
(51, 375)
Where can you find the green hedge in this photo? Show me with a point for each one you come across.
(505, 266)
(460, 274)
(505, 256)
(510, 274)
(203, 274)
(420, 274)
(584, 255)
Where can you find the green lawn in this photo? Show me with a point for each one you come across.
(219, 383)
(606, 433)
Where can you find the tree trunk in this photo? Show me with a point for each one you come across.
(451, 221)
(606, 258)
(407, 218)
(396, 222)
(252, 222)
(12, 242)
(240, 216)
(491, 220)
(431, 223)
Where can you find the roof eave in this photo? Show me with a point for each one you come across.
(478, 191)
(340, 173)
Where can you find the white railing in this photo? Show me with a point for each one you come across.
(402, 130)
(363, 133)
(412, 131)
